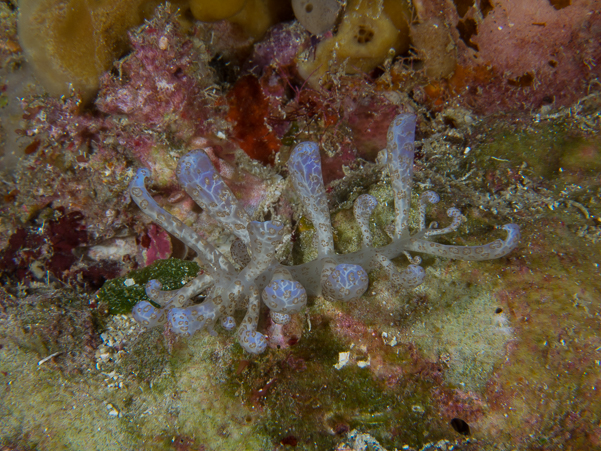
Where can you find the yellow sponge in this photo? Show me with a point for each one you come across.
(75, 41)
(253, 16)
(370, 32)
(214, 10)
(256, 17)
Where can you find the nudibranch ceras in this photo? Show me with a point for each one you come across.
(284, 289)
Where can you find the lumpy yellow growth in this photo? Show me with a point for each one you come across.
(257, 16)
(75, 41)
(370, 32)
(304, 225)
(214, 10)
(253, 16)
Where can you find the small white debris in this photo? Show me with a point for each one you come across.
(343, 359)
(163, 43)
(113, 412)
(417, 408)
(390, 342)
(114, 249)
(360, 441)
(45, 359)
(220, 135)
(129, 282)
(103, 352)
(364, 363)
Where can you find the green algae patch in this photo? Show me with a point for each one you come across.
(553, 152)
(541, 149)
(582, 156)
(347, 234)
(304, 249)
(123, 293)
(302, 397)
(383, 215)
(147, 358)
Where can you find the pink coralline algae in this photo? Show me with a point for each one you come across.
(151, 108)
(284, 289)
(160, 95)
(518, 55)
(61, 121)
(279, 47)
(162, 82)
(156, 245)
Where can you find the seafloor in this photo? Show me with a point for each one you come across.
(493, 355)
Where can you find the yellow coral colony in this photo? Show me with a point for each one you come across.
(370, 32)
(75, 41)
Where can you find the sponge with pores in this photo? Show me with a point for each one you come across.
(365, 38)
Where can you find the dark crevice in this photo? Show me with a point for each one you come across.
(468, 28)
(560, 4)
(463, 6)
(486, 6)
(522, 81)
(460, 426)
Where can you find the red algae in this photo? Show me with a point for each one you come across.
(49, 250)
(248, 111)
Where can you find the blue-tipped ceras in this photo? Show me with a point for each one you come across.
(284, 289)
